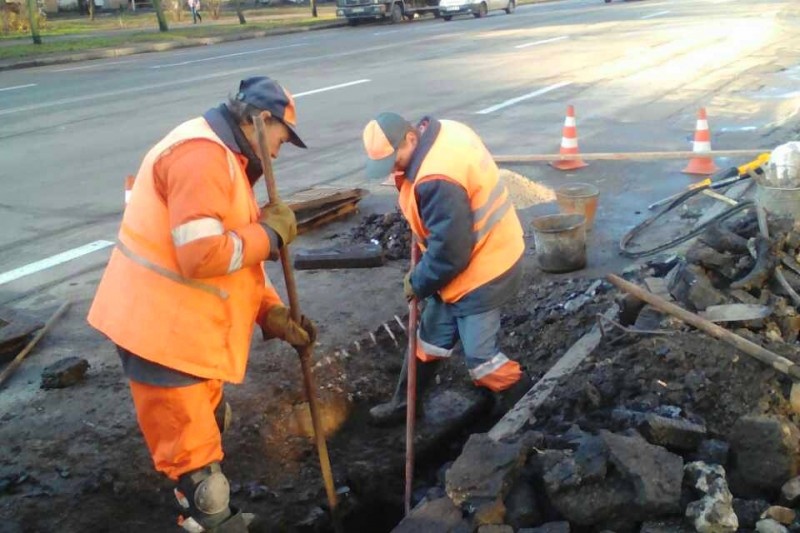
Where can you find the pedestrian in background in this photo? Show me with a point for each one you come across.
(194, 5)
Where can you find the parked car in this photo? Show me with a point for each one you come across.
(477, 8)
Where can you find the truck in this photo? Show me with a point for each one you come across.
(356, 11)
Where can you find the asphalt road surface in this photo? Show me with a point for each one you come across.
(636, 71)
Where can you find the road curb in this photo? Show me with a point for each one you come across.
(108, 53)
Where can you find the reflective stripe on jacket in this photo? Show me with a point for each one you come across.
(199, 326)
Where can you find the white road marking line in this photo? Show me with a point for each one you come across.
(536, 43)
(99, 65)
(332, 88)
(522, 98)
(53, 260)
(15, 87)
(213, 58)
(386, 32)
(187, 81)
(654, 15)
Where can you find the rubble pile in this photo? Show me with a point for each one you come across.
(662, 428)
(389, 230)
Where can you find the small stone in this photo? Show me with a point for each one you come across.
(770, 526)
(749, 511)
(521, 507)
(431, 517)
(257, 492)
(783, 515)
(655, 473)
(487, 512)
(550, 527)
(790, 492)
(666, 526)
(677, 434)
(692, 287)
(315, 517)
(63, 472)
(766, 450)
(714, 512)
(64, 373)
(713, 451)
(495, 529)
(591, 458)
(794, 398)
(484, 472)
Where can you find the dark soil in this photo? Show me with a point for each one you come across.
(390, 230)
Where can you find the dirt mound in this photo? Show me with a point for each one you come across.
(684, 372)
(524, 192)
(390, 230)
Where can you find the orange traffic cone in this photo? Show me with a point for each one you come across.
(128, 188)
(703, 166)
(569, 144)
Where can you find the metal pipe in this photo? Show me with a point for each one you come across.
(411, 391)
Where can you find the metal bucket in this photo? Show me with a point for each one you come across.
(779, 202)
(579, 199)
(560, 242)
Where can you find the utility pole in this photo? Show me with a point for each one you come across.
(34, 21)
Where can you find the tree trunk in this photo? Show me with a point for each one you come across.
(162, 21)
(314, 8)
(33, 20)
(91, 9)
(239, 13)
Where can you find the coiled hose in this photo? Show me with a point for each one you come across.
(624, 243)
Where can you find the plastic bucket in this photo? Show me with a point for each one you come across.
(560, 242)
(579, 199)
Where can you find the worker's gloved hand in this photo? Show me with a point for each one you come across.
(278, 324)
(280, 219)
(407, 288)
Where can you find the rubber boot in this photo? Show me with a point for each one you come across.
(394, 411)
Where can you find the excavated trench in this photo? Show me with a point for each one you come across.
(368, 461)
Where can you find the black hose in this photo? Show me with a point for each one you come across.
(637, 230)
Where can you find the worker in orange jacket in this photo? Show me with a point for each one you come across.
(186, 283)
(472, 243)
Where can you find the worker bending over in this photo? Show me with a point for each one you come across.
(472, 243)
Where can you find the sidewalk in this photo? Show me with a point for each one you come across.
(179, 36)
(182, 25)
(126, 50)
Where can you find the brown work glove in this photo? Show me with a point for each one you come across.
(280, 218)
(278, 324)
(407, 288)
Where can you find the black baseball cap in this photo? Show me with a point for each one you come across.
(268, 95)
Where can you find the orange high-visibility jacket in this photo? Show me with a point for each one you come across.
(200, 326)
(458, 155)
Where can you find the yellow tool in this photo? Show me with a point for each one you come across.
(720, 179)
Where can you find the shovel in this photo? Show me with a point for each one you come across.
(735, 312)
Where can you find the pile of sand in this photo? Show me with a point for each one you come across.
(524, 192)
